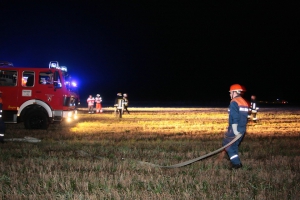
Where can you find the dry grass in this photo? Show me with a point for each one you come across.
(99, 157)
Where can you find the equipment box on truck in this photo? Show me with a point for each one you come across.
(36, 96)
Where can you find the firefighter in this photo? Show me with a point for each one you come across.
(238, 113)
(126, 102)
(117, 101)
(91, 102)
(253, 108)
(2, 125)
(98, 101)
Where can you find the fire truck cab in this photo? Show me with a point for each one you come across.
(36, 96)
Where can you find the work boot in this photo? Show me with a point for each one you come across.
(236, 166)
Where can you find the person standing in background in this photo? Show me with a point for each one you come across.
(91, 102)
(118, 101)
(126, 102)
(98, 101)
(2, 125)
(253, 108)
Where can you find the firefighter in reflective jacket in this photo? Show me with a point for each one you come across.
(238, 114)
(2, 125)
(90, 102)
(253, 108)
(98, 101)
(118, 101)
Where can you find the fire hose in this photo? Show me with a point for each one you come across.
(35, 140)
(183, 163)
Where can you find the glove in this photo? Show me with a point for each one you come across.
(234, 128)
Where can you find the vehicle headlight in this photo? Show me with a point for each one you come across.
(70, 114)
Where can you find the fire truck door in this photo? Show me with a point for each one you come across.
(45, 87)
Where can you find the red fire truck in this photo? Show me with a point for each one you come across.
(36, 96)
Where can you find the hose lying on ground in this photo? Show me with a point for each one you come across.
(183, 163)
(83, 153)
(25, 139)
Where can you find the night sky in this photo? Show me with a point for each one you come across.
(159, 51)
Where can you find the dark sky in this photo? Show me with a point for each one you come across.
(159, 50)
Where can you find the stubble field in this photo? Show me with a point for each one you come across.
(104, 157)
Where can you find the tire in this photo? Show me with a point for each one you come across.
(36, 119)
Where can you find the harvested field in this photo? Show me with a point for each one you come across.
(102, 156)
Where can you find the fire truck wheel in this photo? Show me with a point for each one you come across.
(36, 119)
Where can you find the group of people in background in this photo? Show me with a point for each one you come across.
(91, 101)
(121, 101)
